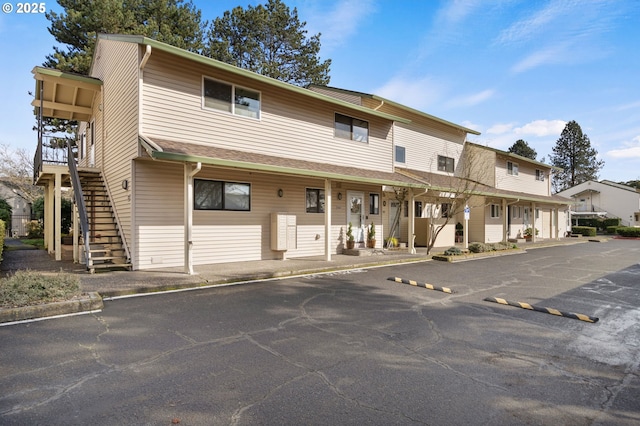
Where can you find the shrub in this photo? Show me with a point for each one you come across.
(610, 221)
(453, 251)
(587, 231)
(28, 288)
(477, 247)
(612, 229)
(628, 231)
(588, 222)
(34, 229)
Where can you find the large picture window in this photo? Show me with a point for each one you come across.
(351, 128)
(219, 195)
(446, 164)
(315, 200)
(232, 99)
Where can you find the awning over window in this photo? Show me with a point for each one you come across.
(64, 95)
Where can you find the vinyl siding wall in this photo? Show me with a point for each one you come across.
(525, 181)
(231, 236)
(116, 122)
(291, 125)
(422, 147)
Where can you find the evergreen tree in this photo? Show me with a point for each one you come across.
(76, 28)
(522, 148)
(575, 157)
(269, 40)
(5, 212)
(171, 21)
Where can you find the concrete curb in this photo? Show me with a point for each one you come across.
(473, 256)
(242, 278)
(87, 302)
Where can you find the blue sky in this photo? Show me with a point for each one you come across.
(509, 69)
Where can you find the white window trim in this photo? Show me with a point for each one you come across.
(233, 104)
(515, 170)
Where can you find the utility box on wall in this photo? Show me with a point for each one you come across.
(284, 232)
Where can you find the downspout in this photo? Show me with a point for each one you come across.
(145, 58)
(379, 106)
(188, 216)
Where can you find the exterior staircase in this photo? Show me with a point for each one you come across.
(106, 248)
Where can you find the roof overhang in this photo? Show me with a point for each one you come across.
(64, 95)
(167, 48)
(231, 159)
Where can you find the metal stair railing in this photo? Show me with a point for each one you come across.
(82, 208)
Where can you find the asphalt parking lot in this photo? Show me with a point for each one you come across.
(349, 348)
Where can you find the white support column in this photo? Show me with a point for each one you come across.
(48, 217)
(327, 220)
(76, 234)
(533, 228)
(412, 223)
(57, 228)
(189, 172)
(505, 221)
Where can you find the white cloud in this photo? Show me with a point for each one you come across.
(527, 28)
(457, 10)
(340, 22)
(470, 125)
(541, 128)
(631, 150)
(418, 93)
(550, 55)
(471, 100)
(500, 128)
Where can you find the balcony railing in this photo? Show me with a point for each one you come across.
(48, 153)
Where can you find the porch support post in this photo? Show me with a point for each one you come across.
(534, 238)
(189, 172)
(76, 231)
(48, 217)
(327, 220)
(57, 229)
(412, 223)
(505, 220)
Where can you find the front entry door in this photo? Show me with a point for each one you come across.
(355, 209)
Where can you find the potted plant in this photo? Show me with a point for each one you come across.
(528, 233)
(371, 236)
(351, 241)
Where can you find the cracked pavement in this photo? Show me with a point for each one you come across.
(348, 348)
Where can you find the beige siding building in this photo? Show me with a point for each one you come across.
(183, 160)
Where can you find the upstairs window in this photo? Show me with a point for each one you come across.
(512, 168)
(351, 128)
(232, 99)
(495, 211)
(401, 154)
(446, 164)
(445, 210)
(540, 175)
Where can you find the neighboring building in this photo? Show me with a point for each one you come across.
(20, 209)
(605, 199)
(185, 160)
(516, 196)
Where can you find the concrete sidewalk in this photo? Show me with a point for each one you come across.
(118, 283)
